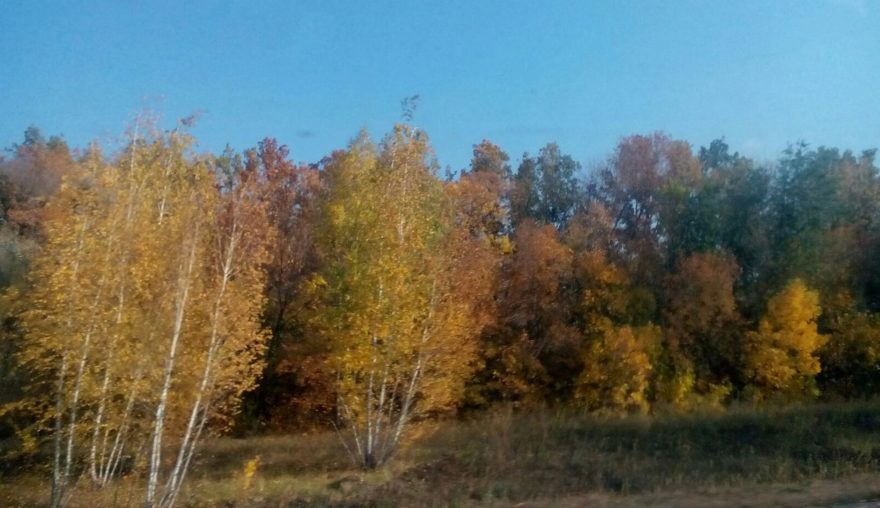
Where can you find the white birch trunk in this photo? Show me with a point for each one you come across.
(59, 481)
(194, 424)
(184, 282)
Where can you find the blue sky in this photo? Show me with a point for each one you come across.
(583, 74)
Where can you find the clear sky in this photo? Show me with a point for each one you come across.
(583, 74)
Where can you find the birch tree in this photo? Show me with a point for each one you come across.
(66, 310)
(402, 340)
(143, 319)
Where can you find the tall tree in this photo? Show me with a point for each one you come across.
(293, 386)
(28, 179)
(628, 187)
(402, 340)
(703, 328)
(480, 194)
(533, 349)
(142, 318)
(732, 209)
(545, 188)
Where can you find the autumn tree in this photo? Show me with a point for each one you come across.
(33, 174)
(603, 288)
(532, 351)
(59, 342)
(620, 344)
(682, 204)
(617, 370)
(295, 385)
(703, 328)
(782, 355)
(227, 342)
(851, 358)
(388, 295)
(480, 194)
(628, 187)
(28, 179)
(142, 318)
(402, 339)
(730, 213)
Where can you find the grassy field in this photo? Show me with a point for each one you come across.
(816, 455)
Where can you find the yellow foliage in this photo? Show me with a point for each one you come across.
(403, 293)
(144, 306)
(781, 355)
(617, 370)
(504, 244)
(676, 390)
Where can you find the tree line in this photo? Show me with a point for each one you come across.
(156, 294)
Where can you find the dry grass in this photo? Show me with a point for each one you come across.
(542, 458)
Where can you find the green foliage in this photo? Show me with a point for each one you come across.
(545, 188)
